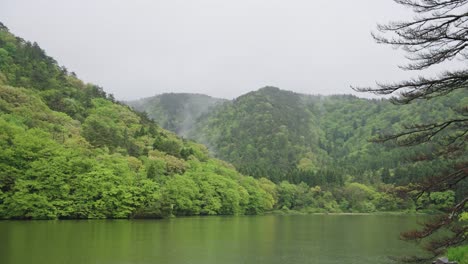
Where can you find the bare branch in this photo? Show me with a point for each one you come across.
(421, 88)
(417, 134)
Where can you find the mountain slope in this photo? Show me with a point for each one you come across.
(263, 133)
(70, 151)
(320, 140)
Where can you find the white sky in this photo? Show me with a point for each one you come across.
(139, 48)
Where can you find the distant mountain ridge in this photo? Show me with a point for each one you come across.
(285, 135)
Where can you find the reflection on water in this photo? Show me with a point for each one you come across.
(209, 240)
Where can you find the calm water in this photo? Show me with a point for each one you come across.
(208, 240)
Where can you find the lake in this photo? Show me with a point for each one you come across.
(265, 239)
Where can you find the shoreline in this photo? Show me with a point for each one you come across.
(269, 213)
(294, 212)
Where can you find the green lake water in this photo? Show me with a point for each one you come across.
(207, 240)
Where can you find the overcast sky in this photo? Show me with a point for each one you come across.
(139, 48)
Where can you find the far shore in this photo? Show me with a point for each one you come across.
(295, 212)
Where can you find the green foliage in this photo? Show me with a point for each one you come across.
(180, 196)
(53, 167)
(320, 141)
(437, 200)
(262, 133)
(360, 197)
(464, 216)
(169, 146)
(70, 151)
(459, 254)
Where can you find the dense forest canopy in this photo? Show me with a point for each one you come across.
(319, 140)
(70, 151)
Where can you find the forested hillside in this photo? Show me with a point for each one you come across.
(266, 133)
(321, 140)
(68, 150)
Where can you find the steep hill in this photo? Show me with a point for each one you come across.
(68, 150)
(263, 133)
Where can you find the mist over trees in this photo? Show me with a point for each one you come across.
(176, 112)
(319, 140)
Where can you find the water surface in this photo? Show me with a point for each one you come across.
(268, 239)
